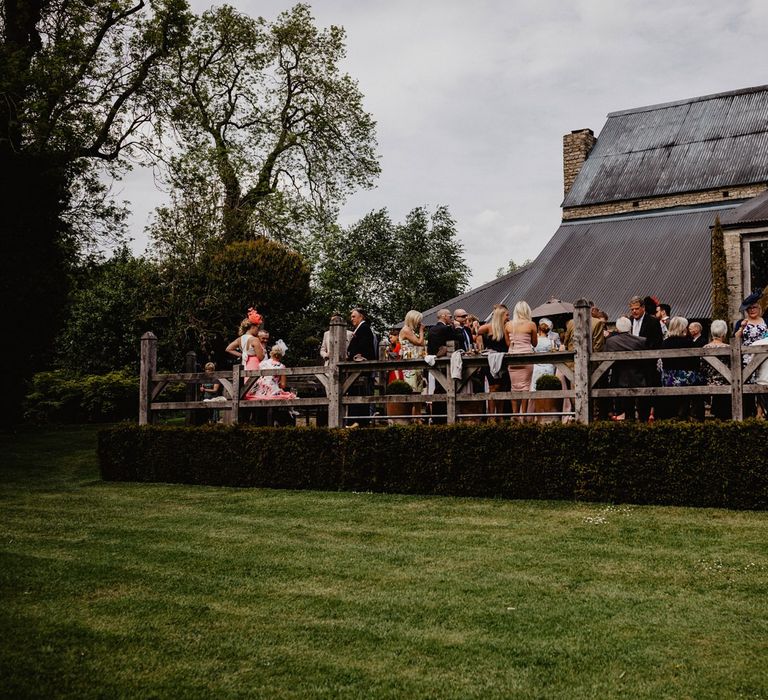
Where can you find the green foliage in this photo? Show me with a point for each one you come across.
(719, 273)
(669, 463)
(65, 397)
(511, 267)
(355, 267)
(428, 265)
(268, 107)
(390, 268)
(111, 307)
(399, 387)
(548, 382)
(259, 273)
(76, 88)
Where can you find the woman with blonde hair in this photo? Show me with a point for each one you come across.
(521, 335)
(412, 345)
(247, 348)
(676, 371)
(491, 336)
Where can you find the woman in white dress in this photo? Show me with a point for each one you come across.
(544, 344)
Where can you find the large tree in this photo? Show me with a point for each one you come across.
(429, 261)
(267, 106)
(77, 87)
(391, 268)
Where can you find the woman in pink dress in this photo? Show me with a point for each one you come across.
(521, 337)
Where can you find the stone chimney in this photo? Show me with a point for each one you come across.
(576, 148)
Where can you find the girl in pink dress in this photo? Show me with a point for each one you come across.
(521, 336)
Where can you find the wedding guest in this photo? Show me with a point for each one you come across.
(247, 348)
(491, 336)
(676, 371)
(521, 335)
(751, 329)
(721, 403)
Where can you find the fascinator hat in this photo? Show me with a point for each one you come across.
(751, 300)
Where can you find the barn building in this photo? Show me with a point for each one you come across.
(639, 203)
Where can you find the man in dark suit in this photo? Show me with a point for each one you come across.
(645, 325)
(441, 333)
(439, 336)
(626, 373)
(463, 332)
(362, 346)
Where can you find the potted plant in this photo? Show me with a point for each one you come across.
(548, 382)
(398, 388)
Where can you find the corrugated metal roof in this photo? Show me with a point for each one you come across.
(755, 211)
(609, 260)
(702, 143)
(480, 300)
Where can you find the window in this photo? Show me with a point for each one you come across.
(755, 263)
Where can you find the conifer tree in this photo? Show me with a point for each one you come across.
(719, 276)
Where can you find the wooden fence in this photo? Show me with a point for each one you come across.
(332, 382)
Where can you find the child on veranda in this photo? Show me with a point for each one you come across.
(211, 389)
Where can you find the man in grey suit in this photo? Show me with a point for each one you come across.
(626, 373)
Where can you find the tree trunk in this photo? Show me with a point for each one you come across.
(33, 271)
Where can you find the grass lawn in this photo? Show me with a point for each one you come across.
(129, 590)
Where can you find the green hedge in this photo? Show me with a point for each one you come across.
(712, 464)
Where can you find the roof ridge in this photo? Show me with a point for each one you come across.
(681, 143)
(690, 100)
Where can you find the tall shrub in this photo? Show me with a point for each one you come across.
(719, 275)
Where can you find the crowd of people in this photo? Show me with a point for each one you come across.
(252, 351)
(647, 325)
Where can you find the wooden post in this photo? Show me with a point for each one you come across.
(337, 344)
(234, 413)
(450, 401)
(582, 345)
(147, 371)
(737, 381)
(190, 366)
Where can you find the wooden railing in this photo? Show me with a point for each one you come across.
(332, 382)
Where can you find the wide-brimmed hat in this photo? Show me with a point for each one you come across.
(752, 299)
(546, 321)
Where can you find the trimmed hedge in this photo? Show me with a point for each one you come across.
(688, 464)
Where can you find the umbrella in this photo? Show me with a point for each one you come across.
(552, 307)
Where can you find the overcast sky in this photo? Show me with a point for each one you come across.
(472, 98)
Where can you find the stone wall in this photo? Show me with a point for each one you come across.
(629, 206)
(733, 271)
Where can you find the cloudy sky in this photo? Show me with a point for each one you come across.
(472, 98)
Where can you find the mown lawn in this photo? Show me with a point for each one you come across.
(127, 590)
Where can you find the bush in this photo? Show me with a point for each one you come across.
(548, 382)
(65, 397)
(399, 388)
(669, 463)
